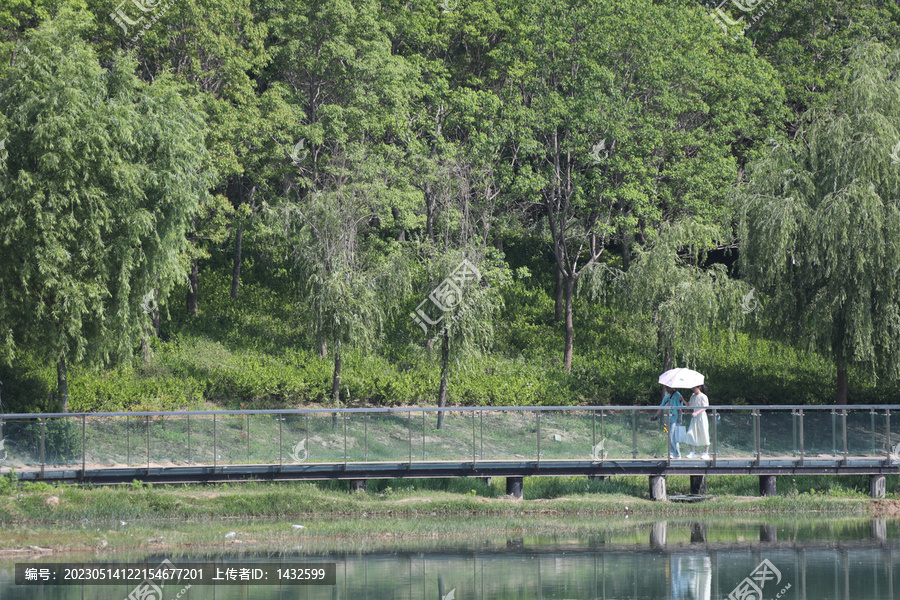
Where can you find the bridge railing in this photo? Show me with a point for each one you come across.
(286, 437)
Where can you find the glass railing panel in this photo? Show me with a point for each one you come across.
(735, 433)
(451, 438)
(569, 434)
(326, 436)
(506, 435)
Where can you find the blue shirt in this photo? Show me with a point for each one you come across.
(673, 399)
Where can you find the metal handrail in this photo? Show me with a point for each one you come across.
(402, 409)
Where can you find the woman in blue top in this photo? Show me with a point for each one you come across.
(671, 398)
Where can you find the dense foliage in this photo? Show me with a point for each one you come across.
(292, 201)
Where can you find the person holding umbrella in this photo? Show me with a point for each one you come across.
(671, 398)
(682, 378)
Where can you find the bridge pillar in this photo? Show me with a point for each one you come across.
(768, 533)
(767, 485)
(658, 487)
(877, 486)
(514, 487)
(698, 484)
(358, 485)
(596, 477)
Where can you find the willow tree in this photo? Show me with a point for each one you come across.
(820, 225)
(348, 279)
(685, 305)
(103, 177)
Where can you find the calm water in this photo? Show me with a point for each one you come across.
(677, 560)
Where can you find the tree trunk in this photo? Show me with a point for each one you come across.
(626, 250)
(445, 375)
(664, 349)
(62, 383)
(336, 380)
(193, 286)
(560, 308)
(336, 384)
(236, 273)
(154, 318)
(841, 397)
(401, 236)
(570, 326)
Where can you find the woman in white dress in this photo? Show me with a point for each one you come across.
(698, 432)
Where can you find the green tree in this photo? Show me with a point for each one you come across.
(102, 181)
(820, 223)
(622, 116)
(685, 306)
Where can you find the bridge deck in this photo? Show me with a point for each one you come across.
(777, 465)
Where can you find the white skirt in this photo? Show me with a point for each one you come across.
(698, 432)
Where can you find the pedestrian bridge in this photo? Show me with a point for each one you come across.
(511, 442)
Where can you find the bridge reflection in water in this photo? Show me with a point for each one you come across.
(667, 561)
(512, 442)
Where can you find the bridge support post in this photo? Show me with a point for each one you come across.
(514, 487)
(877, 486)
(658, 487)
(767, 485)
(768, 533)
(698, 484)
(596, 477)
(358, 485)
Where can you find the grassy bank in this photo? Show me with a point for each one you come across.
(254, 352)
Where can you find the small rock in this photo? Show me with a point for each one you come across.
(557, 437)
(52, 501)
(299, 526)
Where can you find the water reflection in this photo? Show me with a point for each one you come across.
(668, 560)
